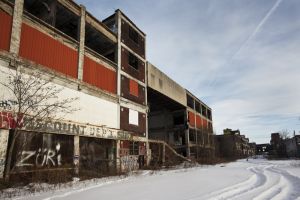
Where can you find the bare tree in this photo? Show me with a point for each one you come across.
(284, 134)
(33, 96)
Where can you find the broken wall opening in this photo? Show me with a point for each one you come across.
(41, 156)
(167, 121)
(56, 15)
(97, 156)
(99, 43)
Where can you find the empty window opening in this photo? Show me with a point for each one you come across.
(112, 25)
(198, 107)
(192, 135)
(190, 101)
(179, 138)
(134, 148)
(54, 14)
(204, 110)
(178, 119)
(99, 43)
(133, 35)
(133, 61)
(209, 114)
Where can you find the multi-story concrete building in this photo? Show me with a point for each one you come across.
(178, 117)
(104, 64)
(233, 145)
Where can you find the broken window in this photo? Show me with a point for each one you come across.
(133, 35)
(133, 61)
(197, 107)
(134, 148)
(192, 135)
(190, 101)
(99, 43)
(209, 114)
(203, 110)
(67, 22)
(54, 14)
(178, 119)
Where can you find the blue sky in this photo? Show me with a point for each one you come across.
(241, 57)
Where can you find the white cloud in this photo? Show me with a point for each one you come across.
(194, 42)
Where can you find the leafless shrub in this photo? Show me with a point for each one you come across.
(34, 96)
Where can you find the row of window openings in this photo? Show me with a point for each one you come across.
(198, 107)
(56, 15)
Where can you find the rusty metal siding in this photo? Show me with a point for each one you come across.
(125, 91)
(198, 121)
(136, 73)
(42, 49)
(138, 48)
(204, 123)
(5, 30)
(191, 119)
(133, 88)
(99, 76)
(139, 130)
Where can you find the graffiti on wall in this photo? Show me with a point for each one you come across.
(40, 158)
(9, 121)
(129, 162)
(3, 150)
(7, 104)
(33, 151)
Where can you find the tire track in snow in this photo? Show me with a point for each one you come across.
(290, 189)
(254, 181)
(271, 183)
(271, 180)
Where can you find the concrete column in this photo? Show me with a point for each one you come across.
(118, 15)
(81, 43)
(187, 142)
(76, 153)
(3, 150)
(149, 153)
(164, 153)
(118, 56)
(16, 28)
(118, 161)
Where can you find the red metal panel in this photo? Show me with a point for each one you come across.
(198, 121)
(99, 76)
(42, 49)
(133, 88)
(5, 30)
(124, 144)
(191, 119)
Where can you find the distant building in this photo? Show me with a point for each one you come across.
(262, 149)
(233, 145)
(292, 146)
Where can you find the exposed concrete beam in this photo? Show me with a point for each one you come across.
(91, 20)
(16, 28)
(81, 43)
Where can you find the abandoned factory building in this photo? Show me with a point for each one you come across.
(127, 105)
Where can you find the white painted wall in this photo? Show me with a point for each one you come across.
(93, 110)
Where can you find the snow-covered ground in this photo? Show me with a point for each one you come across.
(252, 179)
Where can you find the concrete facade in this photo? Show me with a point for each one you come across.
(233, 145)
(104, 64)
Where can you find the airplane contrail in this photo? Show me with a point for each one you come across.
(253, 34)
(257, 29)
